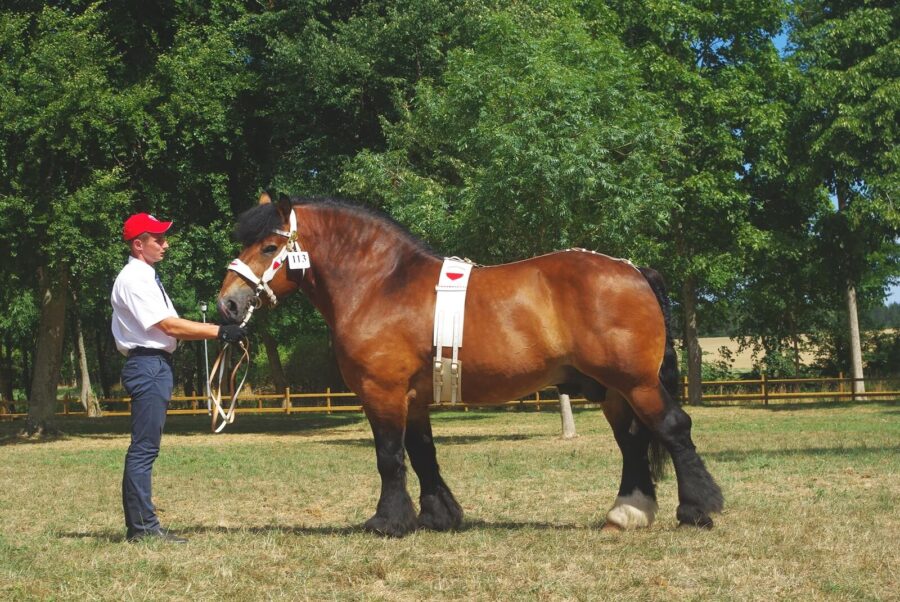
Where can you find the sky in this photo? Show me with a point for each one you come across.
(893, 295)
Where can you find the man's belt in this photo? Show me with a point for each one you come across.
(138, 351)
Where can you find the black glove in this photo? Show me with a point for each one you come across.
(232, 333)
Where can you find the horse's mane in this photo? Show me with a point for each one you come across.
(255, 224)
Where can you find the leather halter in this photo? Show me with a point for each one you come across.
(261, 283)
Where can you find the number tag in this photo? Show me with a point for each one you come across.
(298, 260)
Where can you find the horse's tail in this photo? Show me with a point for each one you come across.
(668, 371)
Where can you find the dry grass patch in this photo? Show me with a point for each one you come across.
(273, 510)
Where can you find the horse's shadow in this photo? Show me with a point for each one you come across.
(302, 530)
(443, 440)
(77, 427)
(838, 451)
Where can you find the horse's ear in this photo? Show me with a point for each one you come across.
(284, 206)
(264, 198)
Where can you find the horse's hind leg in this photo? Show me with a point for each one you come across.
(395, 515)
(439, 509)
(698, 493)
(635, 506)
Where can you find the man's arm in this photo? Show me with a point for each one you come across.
(188, 330)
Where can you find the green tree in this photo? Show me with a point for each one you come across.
(847, 133)
(109, 110)
(536, 136)
(711, 64)
(339, 70)
(58, 140)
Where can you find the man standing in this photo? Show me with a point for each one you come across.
(146, 328)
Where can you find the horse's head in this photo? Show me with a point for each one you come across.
(259, 274)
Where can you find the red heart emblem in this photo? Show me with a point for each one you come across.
(454, 275)
(276, 265)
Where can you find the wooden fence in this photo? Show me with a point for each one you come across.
(794, 390)
(764, 391)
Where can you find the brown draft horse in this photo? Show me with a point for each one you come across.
(576, 319)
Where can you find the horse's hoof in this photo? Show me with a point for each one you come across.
(609, 527)
(689, 516)
(387, 527)
(440, 512)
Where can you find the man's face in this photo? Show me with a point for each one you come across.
(152, 247)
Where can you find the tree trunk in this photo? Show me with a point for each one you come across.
(5, 380)
(48, 352)
(692, 342)
(856, 367)
(568, 421)
(275, 369)
(88, 399)
(73, 369)
(200, 367)
(102, 366)
(188, 374)
(26, 372)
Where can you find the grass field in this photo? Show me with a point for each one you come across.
(273, 509)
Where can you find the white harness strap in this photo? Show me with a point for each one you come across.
(449, 317)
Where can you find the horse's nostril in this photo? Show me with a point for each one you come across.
(232, 307)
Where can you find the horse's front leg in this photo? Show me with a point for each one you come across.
(439, 509)
(395, 515)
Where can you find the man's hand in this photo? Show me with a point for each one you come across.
(232, 333)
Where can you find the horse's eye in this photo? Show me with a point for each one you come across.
(269, 249)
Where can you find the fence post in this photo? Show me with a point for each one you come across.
(765, 389)
(66, 404)
(328, 399)
(684, 389)
(287, 400)
(841, 385)
(568, 421)
(537, 398)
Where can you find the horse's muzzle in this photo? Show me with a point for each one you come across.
(230, 310)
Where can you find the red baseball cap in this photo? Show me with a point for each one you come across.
(139, 223)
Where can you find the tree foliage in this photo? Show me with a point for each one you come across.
(536, 137)
(673, 133)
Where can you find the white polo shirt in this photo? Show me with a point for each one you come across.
(138, 305)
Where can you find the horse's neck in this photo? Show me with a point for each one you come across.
(353, 259)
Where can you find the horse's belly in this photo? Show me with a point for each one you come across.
(508, 385)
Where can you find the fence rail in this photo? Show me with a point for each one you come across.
(730, 392)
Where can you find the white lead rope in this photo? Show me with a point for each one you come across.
(214, 404)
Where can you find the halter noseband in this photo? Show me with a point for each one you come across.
(261, 283)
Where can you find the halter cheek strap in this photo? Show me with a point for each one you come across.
(261, 282)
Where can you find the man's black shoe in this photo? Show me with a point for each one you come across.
(157, 534)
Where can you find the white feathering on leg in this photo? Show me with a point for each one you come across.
(633, 511)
